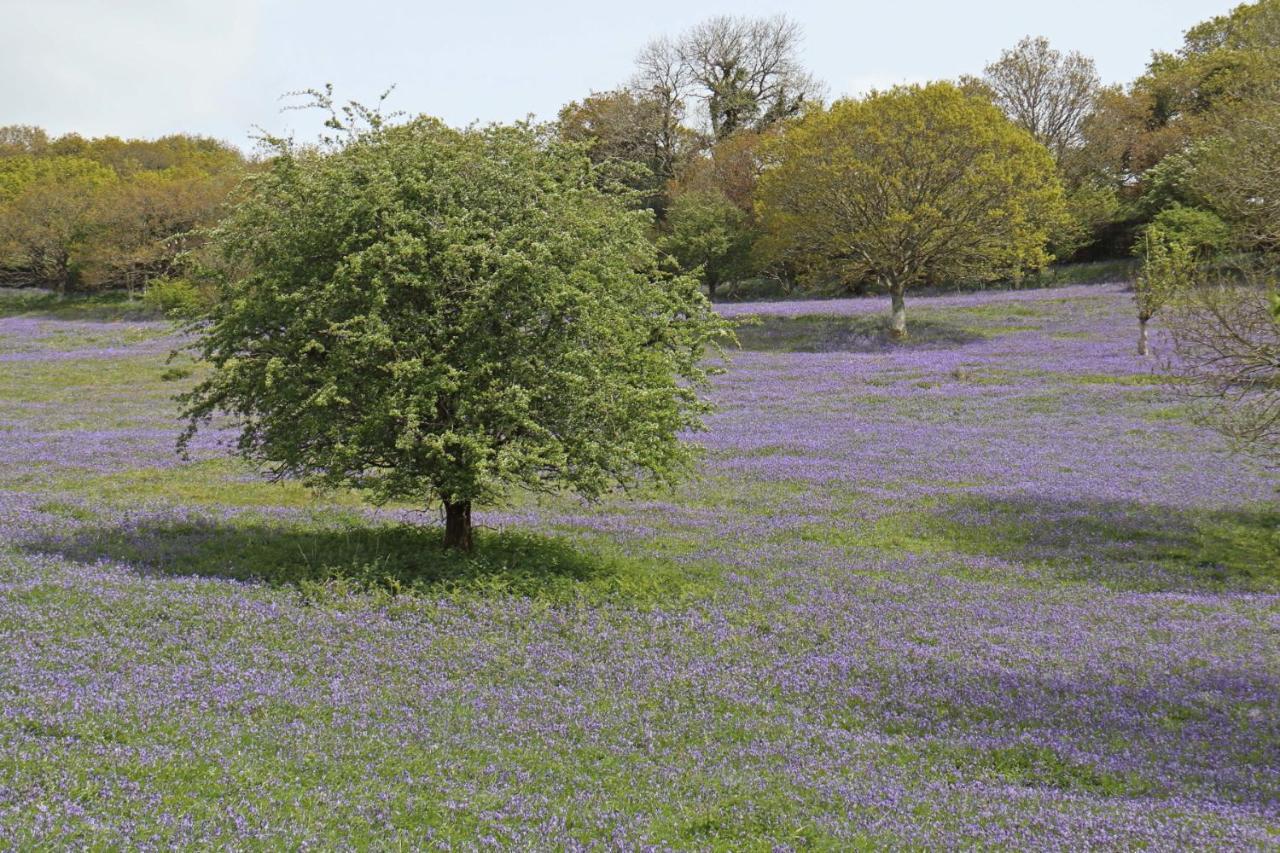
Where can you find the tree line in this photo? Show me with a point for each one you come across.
(704, 117)
(84, 214)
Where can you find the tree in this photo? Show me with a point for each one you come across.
(745, 71)
(18, 139)
(662, 79)
(1045, 92)
(151, 218)
(1237, 172)
(442, 315)
(105, 211)
(50, 210)
(731, 167)
(1168, 268)
(1202, 231)
(1224, 68)
(916, 184)
(624, 130)
(1052, 95)
(1226, 334)
(709, 234)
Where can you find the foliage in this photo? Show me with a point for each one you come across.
(1091, 207)
(1238, 174)
(910, 186)
(1224, 66)
(432, 314)
(1171, 182)
(731, 168)
(177, 297)
(708, 234)
(50, 210)
(1202, 232)
(1168, 267)
(632, 135)
(91, 213)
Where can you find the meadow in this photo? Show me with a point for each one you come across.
(993, 587)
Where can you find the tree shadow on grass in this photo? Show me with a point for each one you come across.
(105, 307)
(1124, 545)
(868, 334)
(364, 556)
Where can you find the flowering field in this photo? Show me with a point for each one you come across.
(991, 588)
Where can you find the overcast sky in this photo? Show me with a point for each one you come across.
(218, 67)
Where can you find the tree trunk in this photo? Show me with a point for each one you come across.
(898, 325)
(711, 288)
(457, 525)
(1143, 349)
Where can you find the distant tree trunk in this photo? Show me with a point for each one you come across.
(1143, 349)
(457, 525)
(898, 325)
(711, 288)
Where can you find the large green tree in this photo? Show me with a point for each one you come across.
(1236, 173)
(708, 234)
(441, 315)
(913, 185)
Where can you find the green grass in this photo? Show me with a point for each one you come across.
(332, 554)
(675, 633)
(824, 333)
(104, 307)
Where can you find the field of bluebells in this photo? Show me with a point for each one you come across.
(993, 588)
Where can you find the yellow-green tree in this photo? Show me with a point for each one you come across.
(913, 185)
(50, 210)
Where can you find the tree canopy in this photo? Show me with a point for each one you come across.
(745, 72)
(1045, 92)
(439, 315)
(708, 233)
(77, 212)
(908, 186)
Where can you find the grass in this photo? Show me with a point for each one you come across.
(111, 306)
(818, 333)
(332, 555)
(997, 601)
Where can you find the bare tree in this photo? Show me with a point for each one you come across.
(1044, 91)
(662, 79)
(22, 139)
(1226, 333)
(744, 71)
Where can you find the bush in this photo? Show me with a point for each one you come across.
(1201, 231)
(177, 297)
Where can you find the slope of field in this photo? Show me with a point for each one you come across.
(993, 587)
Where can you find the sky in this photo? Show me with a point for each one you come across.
(143, 68)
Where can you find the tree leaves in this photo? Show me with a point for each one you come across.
(429, 313)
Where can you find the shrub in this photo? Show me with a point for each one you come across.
(1202, 231)
(177, 297)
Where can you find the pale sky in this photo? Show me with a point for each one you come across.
(218, 67)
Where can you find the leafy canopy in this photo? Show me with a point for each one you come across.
(911, 185)
(1168, 268)
(439, 314)
(708, 233)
